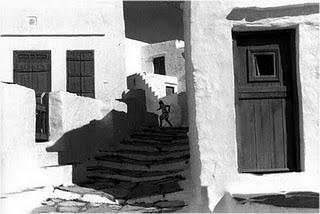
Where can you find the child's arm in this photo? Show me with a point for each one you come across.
(168, 108)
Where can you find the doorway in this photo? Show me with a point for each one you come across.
(266, 101)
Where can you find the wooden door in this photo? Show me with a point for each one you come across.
(32, 69)
(80, 72)
(265, 99)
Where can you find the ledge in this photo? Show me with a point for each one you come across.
(289, 199)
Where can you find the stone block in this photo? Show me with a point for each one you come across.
(105, 198)
(61, 194)
(71, 204)
(169, 204)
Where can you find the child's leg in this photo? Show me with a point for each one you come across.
(160, 122)
(169, 122)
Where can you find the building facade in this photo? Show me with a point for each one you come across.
(252, 84)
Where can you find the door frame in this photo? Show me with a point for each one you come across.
(296, 96)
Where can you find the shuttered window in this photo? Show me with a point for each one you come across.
(159, 65)
(80, 72)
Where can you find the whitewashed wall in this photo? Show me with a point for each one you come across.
(210, 84)
(174, 61)
(23, 160)
(62, 25)
(63, 18)
(133, 56)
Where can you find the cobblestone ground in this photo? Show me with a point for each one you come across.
(77, 199)
(77, 206)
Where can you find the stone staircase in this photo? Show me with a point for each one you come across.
(151, 162)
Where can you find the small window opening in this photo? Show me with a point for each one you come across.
(169, 90)
(159, 65)
(264, 64)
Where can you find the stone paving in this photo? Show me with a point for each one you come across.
(73, 199)
(149, 163)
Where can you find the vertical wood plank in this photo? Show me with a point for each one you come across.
(87, 68)
(248, 159)
(74, 84)
(278, 137)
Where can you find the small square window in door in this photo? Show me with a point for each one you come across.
(263, 64)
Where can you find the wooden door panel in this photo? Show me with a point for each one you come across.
(248, 156)
(87, 56)
(89, 94)
(80, 72)
(264, 93)
(262, 134)
(32, 69)
(23, 78)
(279, 132)
(87, 84)
(74, 84)
(87, 68)
(73, 68)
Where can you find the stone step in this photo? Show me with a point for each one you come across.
(177, 195)
(124, 159)
(153, 142)
(144, 156)
(158, 138)
(166, 129)
(165, 205)
(145, 190)
(126, 191)
(103, 183)
(131, 178)
(130, 172)
(160, 134)
(129, 166)
(153, 148)
(77, 193)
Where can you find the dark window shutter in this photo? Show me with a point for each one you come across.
(159, 65)
(80, 72)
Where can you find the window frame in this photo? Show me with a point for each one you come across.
(164, 65)
(252, 52)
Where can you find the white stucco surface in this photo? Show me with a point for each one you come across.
(68, 111)
(133, 56)
(22, 159)
(174, 61)
(210, 84)
(81, 125)
(87, 18)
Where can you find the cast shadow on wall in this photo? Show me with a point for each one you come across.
(80, 145)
